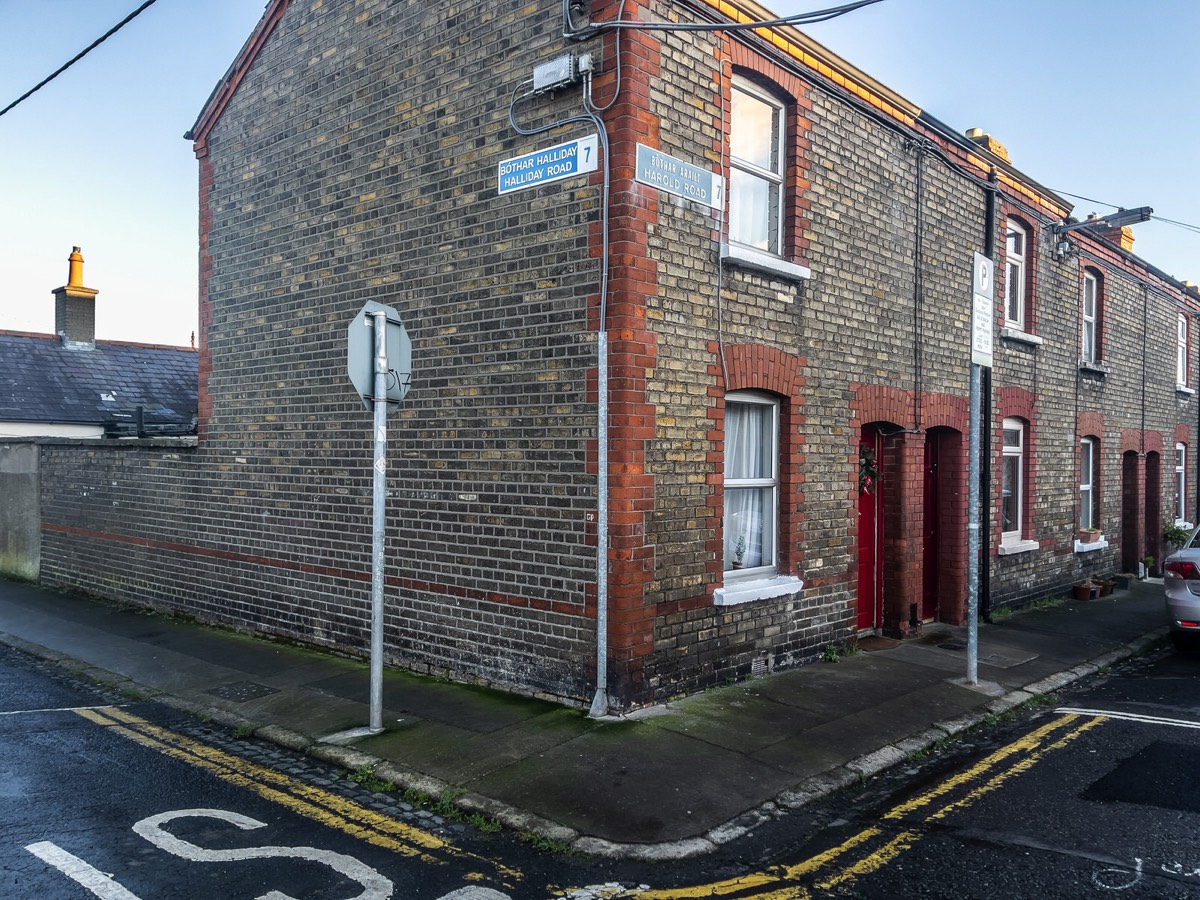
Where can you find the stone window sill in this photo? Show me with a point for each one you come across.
(749, 258)
(1090, 367)
(758, 589)
(1184, 390)
(1100, 544)
(1015, 334)
(1012, 547)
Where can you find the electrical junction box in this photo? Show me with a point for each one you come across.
(559, 71)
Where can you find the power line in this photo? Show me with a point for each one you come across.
(1185, 225)
(809, 18)
(80, 55)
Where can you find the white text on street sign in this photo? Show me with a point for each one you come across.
(545, 166)
(679, 177)
(983, 310)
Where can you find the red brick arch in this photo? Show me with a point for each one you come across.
(1090, 423)
(761, 368)
(881, 403)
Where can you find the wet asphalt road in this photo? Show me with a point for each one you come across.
(110, 796)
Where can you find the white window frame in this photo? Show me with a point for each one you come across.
(1090, 337)
(772, 176)
(1180, 483)
(1087, 483)
(767, 484)
(1181, 350)
(1016, 268)
(1013, 536)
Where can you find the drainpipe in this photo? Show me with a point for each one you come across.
(599, 706)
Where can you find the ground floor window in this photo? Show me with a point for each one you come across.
(1012, 487)
(751, 481)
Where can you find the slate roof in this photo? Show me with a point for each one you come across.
(41, 380)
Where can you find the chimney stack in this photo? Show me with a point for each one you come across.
(75, 307)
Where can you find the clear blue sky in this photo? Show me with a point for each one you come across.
(1091, 97)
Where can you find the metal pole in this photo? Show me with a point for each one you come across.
(378, 519)
(973, 456)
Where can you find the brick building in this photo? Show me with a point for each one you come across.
(778, 253)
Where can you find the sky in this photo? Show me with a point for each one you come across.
(1096, 98)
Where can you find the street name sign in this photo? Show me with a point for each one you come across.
(679, 177)
(549, 165)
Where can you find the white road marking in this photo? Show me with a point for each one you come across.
(1129, 717)
(375, 886)
(80, 872)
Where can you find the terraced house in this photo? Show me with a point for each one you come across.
(691, 315)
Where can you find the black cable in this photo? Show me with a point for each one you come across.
(80, 55)
(820, 15)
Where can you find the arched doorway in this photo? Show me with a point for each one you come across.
(1153, 535)
(1129, 512)
(870, 529)
(944, 537)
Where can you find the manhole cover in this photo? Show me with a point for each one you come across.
(241, 691)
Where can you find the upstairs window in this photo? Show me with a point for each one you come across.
(1181, 349)
(751, 482)
(1089, 341)
(1015, 257)
(756, 169)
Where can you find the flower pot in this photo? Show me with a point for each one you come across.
(1088, 537)
(1084, 591)
(1106, 588)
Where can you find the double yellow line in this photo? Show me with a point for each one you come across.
(321, 806)
(898, 829)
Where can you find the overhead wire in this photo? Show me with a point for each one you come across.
(1164, 219)
(80, 55)
(809, 18)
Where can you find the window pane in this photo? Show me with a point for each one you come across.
(755, 132)
(1013, 292)
(1089, 341)
(748, 441)
(1012, 437)
(749, 527)
(753, 211)
(1010, 505)
(1087, 461)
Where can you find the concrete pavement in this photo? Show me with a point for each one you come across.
(669, 782)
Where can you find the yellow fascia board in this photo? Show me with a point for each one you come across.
(820, 59)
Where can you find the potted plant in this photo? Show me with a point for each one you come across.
(1175, 536)
(739, 551)
(1085, 590)
(1125, 579)
(1148, 567)
(1088, 535)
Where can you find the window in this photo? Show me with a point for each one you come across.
(1012, 480)
(1088, 517)
(1014, 282)
(751, 482)
(1181, 349)
(1180, 482)
(756, 169)
(1090, 317)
